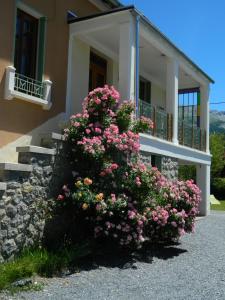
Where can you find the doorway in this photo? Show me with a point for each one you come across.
(97, 72)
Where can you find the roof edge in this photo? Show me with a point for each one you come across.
(108, 12)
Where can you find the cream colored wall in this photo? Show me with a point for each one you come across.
(158, 96)
(17, 118)
(8, 152)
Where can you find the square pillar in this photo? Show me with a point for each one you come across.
(172, 72)
(203, 182)
(127, 60)
(78, 75)
(204, 112)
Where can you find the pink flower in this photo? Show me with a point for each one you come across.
(60, 197)
(97, 101)
(174, 224)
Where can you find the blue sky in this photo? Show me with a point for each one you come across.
(198, 28)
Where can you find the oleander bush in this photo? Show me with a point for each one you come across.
(115, 197)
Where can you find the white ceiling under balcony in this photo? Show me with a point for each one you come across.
(152, 61)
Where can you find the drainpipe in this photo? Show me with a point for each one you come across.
(137, 65)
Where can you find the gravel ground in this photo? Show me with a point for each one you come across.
(194, 269)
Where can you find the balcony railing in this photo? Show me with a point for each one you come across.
(161, 119)
(29, 86)
(189, 135)
(192, 136)
(27, 89)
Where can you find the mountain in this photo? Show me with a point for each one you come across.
(217, 121)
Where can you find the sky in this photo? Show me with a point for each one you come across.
(197, 27)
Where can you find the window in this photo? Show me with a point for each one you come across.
(29, 45)
(26, 44)
(145, 90)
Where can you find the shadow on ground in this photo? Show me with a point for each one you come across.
(124, 260)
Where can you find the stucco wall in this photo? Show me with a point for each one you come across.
(16, 116)
(158, 96)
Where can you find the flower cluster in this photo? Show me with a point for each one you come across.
(127, 142)
(143, 125)
(92, 146)
(120, 198)
(102, 100)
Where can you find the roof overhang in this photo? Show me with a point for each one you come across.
(144, 20)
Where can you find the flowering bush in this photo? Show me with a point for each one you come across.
(119, 197)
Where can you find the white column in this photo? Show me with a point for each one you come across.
(204, 112)
(172, 72)
(127, 60)
(78, 75)
(203, 182)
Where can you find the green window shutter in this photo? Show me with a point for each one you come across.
(41, 48)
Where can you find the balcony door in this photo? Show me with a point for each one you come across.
(97, 72)
(26, 44)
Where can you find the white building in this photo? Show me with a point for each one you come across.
(122, 47)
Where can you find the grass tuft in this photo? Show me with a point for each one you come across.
(41, 262)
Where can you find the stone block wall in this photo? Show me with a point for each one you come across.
(167, 165)
(28, 199)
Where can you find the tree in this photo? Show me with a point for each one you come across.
(217, 148)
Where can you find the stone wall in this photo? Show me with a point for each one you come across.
(169, 167)
(28, 200)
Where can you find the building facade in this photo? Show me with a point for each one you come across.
(54, 52)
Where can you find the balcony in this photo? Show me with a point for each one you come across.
(189, 135)
(27, 89)
(161, 119)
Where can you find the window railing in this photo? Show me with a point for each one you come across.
(29, 86)
(192, 136)
(28, 89)
(161, 119)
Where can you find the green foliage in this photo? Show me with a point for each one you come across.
(217, 148)
(220, 206)
(124, 116)
(218, 187)
(187, 172)
(41, 262)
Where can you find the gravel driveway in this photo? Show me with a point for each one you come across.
(195, 269)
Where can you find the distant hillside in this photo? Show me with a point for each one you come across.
(217, 121)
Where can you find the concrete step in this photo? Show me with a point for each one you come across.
(10, 171)
(35, 154)
(51, 139)
(35, 149)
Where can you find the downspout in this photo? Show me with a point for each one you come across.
(137, 61)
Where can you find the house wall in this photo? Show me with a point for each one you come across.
(158, 96)
(17, 117)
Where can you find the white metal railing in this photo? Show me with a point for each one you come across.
(28, 89)
(29, 86)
